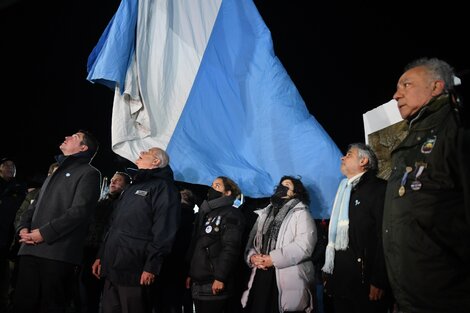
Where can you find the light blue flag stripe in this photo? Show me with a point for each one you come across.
(245, 119)
(108, 62)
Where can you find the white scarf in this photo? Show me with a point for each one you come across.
(338, 238)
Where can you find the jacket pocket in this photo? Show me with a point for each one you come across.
(130, 252)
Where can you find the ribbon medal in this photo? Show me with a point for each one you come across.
(208, 224)
(402, 190)
(416, 184)
(217, 223)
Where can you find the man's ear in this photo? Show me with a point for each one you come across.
(83, 148)
(363, 162)
(438, 87)
(156, 162)
(228, 192)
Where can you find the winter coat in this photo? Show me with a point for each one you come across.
(216, 245)
(426, 229)
(63, 211)
(143, 228)
(100, 221)
(291, 258)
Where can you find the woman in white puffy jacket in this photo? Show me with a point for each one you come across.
(279, 252)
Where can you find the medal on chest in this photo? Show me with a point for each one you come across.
(416, 183)
(212, 224)
(402, 190)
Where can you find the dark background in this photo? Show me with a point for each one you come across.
(344, 57)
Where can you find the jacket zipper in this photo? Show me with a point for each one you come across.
(209, 259)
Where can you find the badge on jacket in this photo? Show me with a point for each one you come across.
(142, 193)
(428, 145)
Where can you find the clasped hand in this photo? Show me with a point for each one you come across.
(261, 261)
(30, 238)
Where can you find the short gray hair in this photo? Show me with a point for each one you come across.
(438, 70)
(365, 151)
(161, 155)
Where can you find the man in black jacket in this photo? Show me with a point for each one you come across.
(53, 229)
(143, 228)
(358, 281)
(427, 205)
(90, 288)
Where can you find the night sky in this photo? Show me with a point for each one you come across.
(344, 58)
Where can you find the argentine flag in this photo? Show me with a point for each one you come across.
(200, 79)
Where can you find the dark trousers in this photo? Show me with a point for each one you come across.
(169, 294)
(124, 299)
(211, 306)
(344, 305)
(187, 301)
(43, 285)
(89, 287)
(4, 282)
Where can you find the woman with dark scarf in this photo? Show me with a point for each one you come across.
(279, 252)
(216, 248)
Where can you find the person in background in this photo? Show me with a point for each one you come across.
(53, 229)
(90, 288)
(354, 257)
(188, 202)
(215, 248)
(12, 193)
(322, 300)
(141, 235)
(279, 251)
(248, 207)
(426, 222)
(33, 191)
(171, 295)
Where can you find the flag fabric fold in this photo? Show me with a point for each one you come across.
(109, 60)
(204, 83)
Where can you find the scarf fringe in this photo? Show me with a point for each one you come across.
(329, 259)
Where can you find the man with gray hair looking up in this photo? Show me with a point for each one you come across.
(354, 262)
(140, 236)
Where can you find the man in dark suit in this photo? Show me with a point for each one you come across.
(54, 227)
(354, 255)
